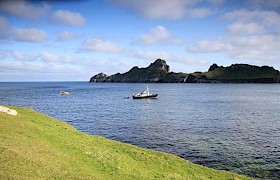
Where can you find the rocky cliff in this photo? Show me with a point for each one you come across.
(101, 77)
(159, 72)
(155, 72)
(238, 73)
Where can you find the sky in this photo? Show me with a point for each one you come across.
(59, 40)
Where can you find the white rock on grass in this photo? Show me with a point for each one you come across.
(9, 111)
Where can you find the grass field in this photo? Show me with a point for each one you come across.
(36, 146)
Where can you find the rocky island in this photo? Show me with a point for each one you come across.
(158, 72)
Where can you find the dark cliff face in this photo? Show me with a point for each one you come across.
(155, 72)
(101, 77)
(240, 73)
(158, 71)
(174, 78)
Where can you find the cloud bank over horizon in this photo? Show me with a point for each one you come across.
(53, 40)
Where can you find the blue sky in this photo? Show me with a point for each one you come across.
(71, 41)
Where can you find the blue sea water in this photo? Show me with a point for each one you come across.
(233, 127)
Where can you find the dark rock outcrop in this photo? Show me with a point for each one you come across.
(240, 73)
(159, 72)
(101, 77)
(155, 72)
(213, 67)
(173, 77)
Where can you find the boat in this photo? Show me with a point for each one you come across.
(63, 93)
(145, 94)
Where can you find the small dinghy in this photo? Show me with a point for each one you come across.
(63, 93)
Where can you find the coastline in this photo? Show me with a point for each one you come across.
(35, 145)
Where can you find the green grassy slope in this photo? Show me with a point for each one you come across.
(244, 73)
(34, 145)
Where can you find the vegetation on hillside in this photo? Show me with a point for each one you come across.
(153, 73)
(36, 146)
(243, 73)
(173, 77)
(159, 72)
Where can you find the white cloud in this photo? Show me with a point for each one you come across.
(267, 43)
(100, 45)
(43, 56)
(24, 9)
(199, 12)
(23, 56)
(46, 56)
(21, 34)
(12, 67)
(157, 35)
(245, 48)
(254, 36)
(243, 15)
(207, 46)
(29, 35)
(190, 61)
(187, 60)
(238, 28)
(50, 57)
(65, 36)
(166, 9)
(152, 55)
(51, 66)
(42, 71)
(68, 18)
(3, 55)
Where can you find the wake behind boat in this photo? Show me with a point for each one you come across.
(145, 94)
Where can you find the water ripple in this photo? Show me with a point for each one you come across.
(232, 127)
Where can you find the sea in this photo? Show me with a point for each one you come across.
(234, 127)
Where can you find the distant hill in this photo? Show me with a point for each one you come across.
(238, 73)
(155, 72)
(158, 72)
